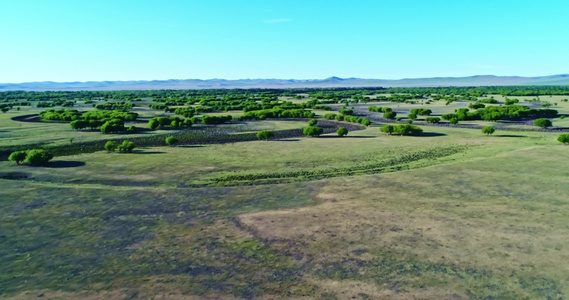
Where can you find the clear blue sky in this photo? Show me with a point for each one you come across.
(95, 40)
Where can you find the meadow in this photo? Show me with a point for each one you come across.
(447, 214)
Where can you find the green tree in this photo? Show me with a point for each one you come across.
(488, 130)
(38, 157)
(110, 146)
(389, 114)
(542, 122)
(312, 122)
(342, 131)
(131, 129)
(18, 157)
(172, 140)
(564, 138)
(412, 116)
(453, 121)
(312, 131)
(266, 134)
(387, 129)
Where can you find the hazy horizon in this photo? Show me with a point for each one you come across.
(65, 41)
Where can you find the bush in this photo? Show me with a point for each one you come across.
(131, 129)
(389, 115)
(111, 146)
(488, 130)
(433, 120)
(407, 129)
(398, 119)
(543, 123)
(342, 131)
(126, 146)
(562, 117)
(38, 157)
(171, 140)
(153, 124)
(564, 138)
(312, 131)
(18, 157)
(453, 121)
(266, 134)
(412, 116)
(312, 122)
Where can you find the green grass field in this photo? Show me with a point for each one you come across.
(450, 214)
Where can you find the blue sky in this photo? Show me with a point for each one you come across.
(95, 40)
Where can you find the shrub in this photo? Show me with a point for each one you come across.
(342, 131)
(171, 140)
(126, 146)
(488, 130)
(38, 157)
(110, 146)
(412, 116)
(562, 117)
(312, 122)
(131, 129)
(312, 131)
(564, 138)
(398, 119)
(266, 134)
(543, 123)
(453, 121)
(18, 157)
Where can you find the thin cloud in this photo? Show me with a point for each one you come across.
(277, 21)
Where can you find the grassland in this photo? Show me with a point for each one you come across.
(451, 214)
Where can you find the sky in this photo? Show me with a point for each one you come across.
(99, 40)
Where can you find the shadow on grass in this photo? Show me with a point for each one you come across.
(287, 140)
(429, 134)
(189, 146)
(59, 164)
(510, 135)
(146, 152)
(346, 136)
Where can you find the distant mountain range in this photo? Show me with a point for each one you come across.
(479, 80)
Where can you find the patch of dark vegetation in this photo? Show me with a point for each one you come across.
(396, 163)
(64, 164)
(14, 175)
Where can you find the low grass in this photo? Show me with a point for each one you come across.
(450, 214)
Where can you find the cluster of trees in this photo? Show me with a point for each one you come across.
(35, 157)
(126, 146)
(216, 119)
(490, 100)
(511, 101)
(403, 129)
(175, 122)
(379, 109)
(433, 120)
(312, 129)
(346, 111)
(123, 106)
(351, 119)
(494, 113)
(56, 103)
(60, 115)
(421, 111)
(186, 112)
(276, 113)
